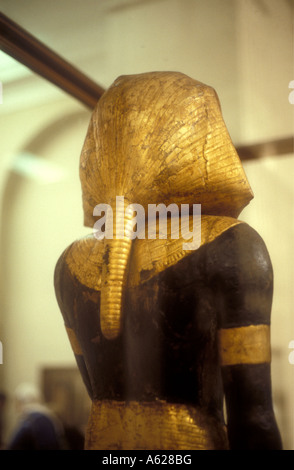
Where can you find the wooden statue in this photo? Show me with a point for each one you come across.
(162, 334)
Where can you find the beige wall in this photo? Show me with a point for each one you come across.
(40, 219)
(241, 47)
(271, 214)
(265, 46)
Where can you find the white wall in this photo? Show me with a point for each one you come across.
(265, 46)
(39, 220)
(271, 214)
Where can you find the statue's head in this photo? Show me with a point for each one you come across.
(156, 138)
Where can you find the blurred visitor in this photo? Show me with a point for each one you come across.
(38, 427)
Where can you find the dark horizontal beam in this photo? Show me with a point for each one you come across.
(26, 49)
(266, 149)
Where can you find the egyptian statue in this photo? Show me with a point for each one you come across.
(172, 339)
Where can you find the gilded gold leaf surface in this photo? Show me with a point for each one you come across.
(150, 426)
(74, 341)
(160, 138)
(85, 257)
(156, 138)
(154, 256)
(244, 345)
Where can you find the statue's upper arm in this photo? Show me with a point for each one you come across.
(243, 287)
(242, 278)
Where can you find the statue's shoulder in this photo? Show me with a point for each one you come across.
(241, 275)
(240, 248)
(152, 256)
(81, 261)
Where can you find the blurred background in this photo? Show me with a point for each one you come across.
(244, 49)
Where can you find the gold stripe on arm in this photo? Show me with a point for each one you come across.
(74, 341)
(244, 345)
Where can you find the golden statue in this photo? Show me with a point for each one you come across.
(163, 331)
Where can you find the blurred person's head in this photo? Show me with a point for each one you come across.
(26, 395)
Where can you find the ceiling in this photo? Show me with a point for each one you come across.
(107, 38)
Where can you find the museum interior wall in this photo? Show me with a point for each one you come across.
(244, 49)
